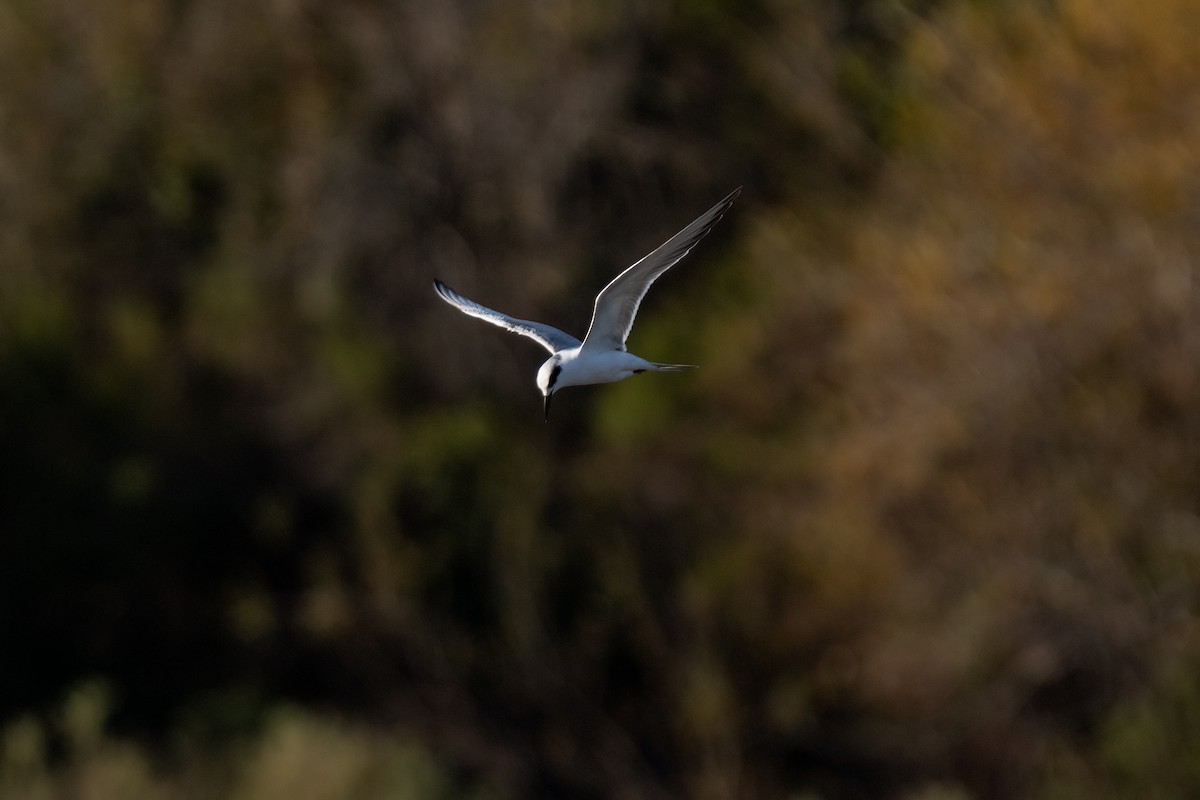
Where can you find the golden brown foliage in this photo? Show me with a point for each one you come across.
(926, 524)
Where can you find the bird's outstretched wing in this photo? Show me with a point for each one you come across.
(547, 336)
(617, 304)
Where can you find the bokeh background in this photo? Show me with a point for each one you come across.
(275, 522)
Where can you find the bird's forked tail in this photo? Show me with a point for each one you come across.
(672, 367)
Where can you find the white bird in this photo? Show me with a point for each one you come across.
(601, 356)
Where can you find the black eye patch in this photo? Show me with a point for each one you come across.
(554, 374)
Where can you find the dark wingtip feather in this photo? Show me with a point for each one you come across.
(445, 292)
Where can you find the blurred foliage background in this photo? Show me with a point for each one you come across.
(276, 522)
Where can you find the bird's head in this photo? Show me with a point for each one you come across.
(547, 379)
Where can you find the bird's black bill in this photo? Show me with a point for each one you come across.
(546, 404)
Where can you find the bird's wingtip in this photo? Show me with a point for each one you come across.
(729, 198)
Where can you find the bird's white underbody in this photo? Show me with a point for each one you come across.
(601, 356)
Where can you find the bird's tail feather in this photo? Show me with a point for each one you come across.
(673, 367)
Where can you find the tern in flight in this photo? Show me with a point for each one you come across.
(601, 356)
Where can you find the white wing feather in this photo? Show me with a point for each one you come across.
(617, 304)
(547, 336)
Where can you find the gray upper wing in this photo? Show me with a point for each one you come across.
(617, 304)
(547, 336)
